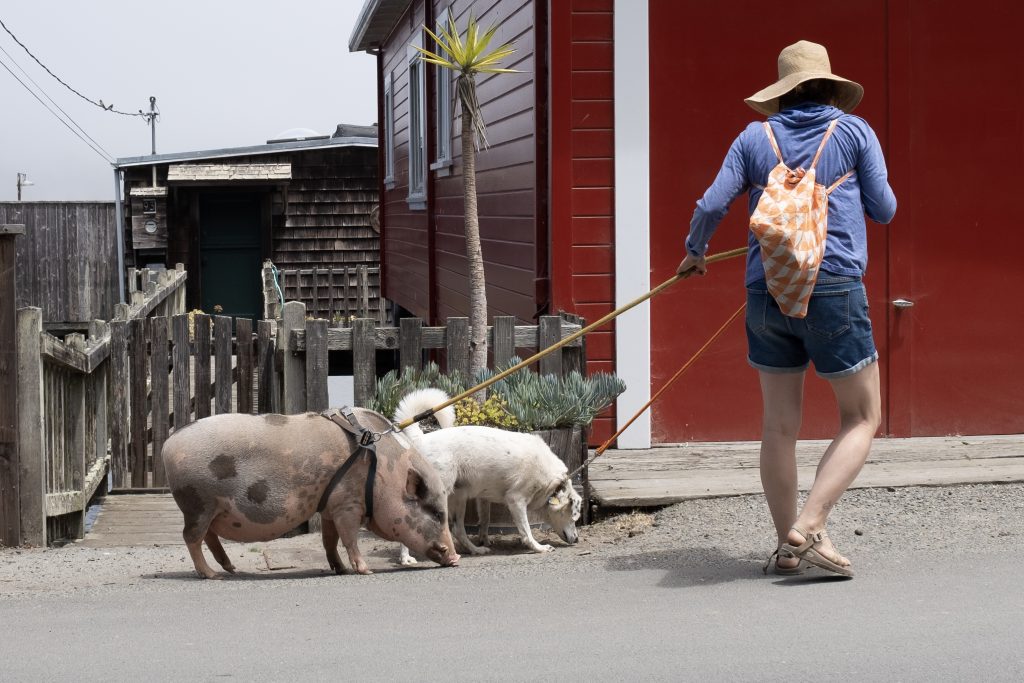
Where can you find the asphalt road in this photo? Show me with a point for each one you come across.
(674, 614)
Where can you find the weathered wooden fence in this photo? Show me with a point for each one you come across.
(63, 393)
(337, 294)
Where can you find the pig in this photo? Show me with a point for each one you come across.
(255, 477)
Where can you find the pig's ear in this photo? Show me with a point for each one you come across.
(415, 487)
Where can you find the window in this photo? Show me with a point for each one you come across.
(443, 145)
(389, 129)
(417, 129)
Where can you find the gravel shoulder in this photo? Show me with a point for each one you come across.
(705, 540)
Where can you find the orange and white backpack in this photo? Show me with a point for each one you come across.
(791, 222)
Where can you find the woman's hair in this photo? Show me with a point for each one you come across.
(818, 90)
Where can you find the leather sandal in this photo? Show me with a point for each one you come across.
(782, 571)
(810, 552)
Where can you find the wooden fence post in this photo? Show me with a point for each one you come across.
(30, 478)
(75, 449)
(179, 295)
(119, 379)
(503, 343)
(364, 361)
(138, 373)
(222, 356)
(268, 400)
(10, 458)
(243, 337)
(316, 365)
(410, 344)
(549, 332)
(159, 384)
(457, 336)
(99, 333)
(293, 317)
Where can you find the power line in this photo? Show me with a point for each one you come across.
(32, 92)
(104, 107)
(47, 96)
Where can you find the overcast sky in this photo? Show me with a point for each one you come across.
(226, 73)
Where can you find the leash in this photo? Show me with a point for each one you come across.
(366, 440)
(722, 256)
(679, 372)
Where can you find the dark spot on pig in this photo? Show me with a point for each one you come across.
(397, 520)
(223, 467)
(237, 525)
(257, 493)
(275, 420)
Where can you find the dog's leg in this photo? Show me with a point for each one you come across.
(483, 516)
(457, 509)
(517, 508)
(404, 557)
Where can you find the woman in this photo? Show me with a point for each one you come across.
(835, 335)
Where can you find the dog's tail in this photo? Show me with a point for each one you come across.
(417, 402)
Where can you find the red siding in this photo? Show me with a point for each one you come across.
(583, 173)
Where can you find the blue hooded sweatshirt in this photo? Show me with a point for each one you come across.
(798, 130)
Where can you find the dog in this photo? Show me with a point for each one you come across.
(493, 466)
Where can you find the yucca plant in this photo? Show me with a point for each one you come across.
(468, 56)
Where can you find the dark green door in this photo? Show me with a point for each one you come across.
(229, 247)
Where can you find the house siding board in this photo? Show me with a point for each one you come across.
(506, 177)
(582, 174)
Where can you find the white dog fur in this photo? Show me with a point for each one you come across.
(493, 466)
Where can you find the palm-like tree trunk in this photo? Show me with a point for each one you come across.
(474, 255)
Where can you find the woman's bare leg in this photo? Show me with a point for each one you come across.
(782, 395)
(860, 413)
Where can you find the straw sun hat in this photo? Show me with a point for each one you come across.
(800, 62)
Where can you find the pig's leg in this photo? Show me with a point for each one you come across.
(347, 523)
(483, 516)
(199, 512)
(219, 554)
(329, 534)
(457, 508)
(517, 508)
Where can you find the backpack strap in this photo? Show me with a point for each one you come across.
(828, 134)
(838, 182)
(771, 139)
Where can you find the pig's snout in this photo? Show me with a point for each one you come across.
(440, 553)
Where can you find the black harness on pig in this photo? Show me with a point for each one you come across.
(366, 440)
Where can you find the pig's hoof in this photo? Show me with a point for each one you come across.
(230, 569)
(365, 571)
(213, 576)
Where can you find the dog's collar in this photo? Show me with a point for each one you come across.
(365, 440)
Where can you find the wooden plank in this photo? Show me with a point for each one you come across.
(316, 365)
(458, 347)
(364, 361)
(75, 448)
(267, 399)
(119, 378)
(25, 487)
(293, 317)
(160, 393)
(222, 366)
(345, 298)
(201, 344)
(574, 358)
(410, 345)
(138, 380)
(340, 339)
(548, 335)
(503, 344)
(316, 292)
(182, 372)
(330, 295)
(243, 352)
(10, 459)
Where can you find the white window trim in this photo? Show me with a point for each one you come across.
(389, 130)
(417, 196)
(443, 110)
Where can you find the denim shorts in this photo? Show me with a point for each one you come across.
(835, 335)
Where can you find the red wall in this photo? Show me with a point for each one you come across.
(583, 173)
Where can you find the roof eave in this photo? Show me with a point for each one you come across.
(376, 21)
(296, 146)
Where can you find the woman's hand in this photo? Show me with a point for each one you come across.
(692, 264)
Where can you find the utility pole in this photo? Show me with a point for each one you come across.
(151, 120)
(23, 181)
